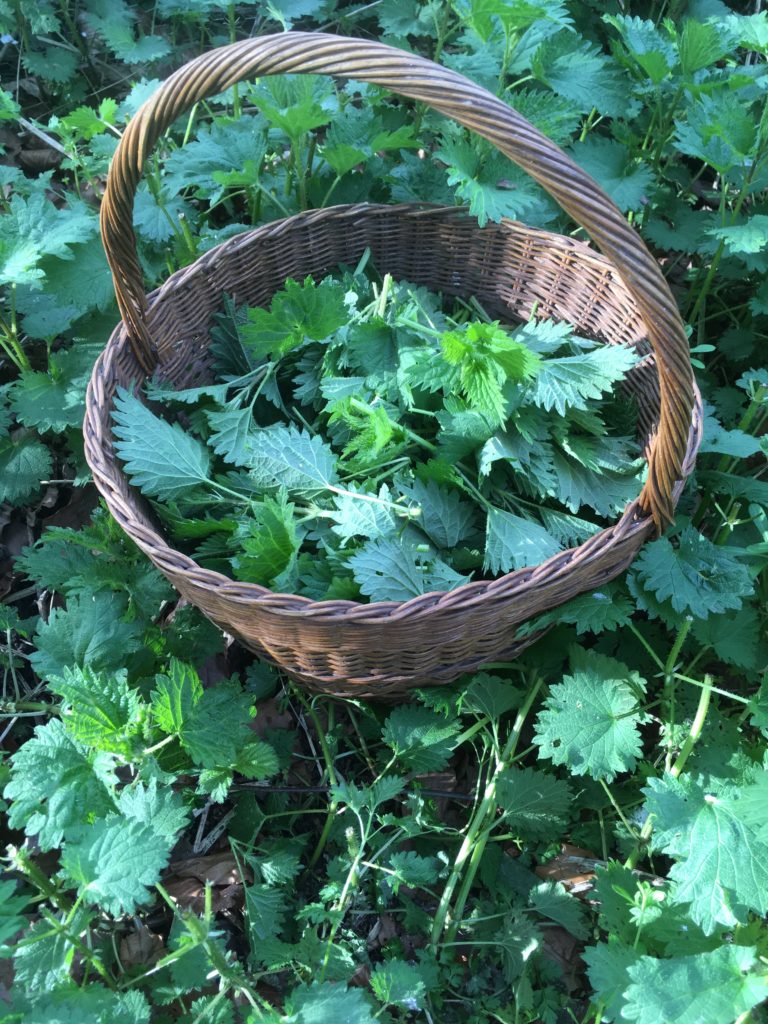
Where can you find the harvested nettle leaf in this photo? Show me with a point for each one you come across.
(363, 442)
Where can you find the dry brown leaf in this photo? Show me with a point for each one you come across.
(270, 716)
(217, 868)
(573, 866)
(141, 947)
(383, 930)
(564, 950)
(362, 977)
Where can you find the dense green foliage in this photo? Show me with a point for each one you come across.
(380, 449)
(191, 837)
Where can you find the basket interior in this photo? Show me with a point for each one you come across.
(511, 269)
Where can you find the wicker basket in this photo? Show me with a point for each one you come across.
(383, 649)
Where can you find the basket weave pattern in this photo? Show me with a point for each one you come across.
(382, 649)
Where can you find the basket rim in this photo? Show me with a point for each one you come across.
(106, 471)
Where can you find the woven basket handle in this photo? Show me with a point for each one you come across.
(471, 106)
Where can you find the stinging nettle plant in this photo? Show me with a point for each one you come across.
(635, 731)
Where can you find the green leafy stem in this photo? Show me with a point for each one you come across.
(469, 856)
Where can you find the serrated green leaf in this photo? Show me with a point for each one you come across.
(388, 570)
(256, 760)
(161, 810)
(567, 382)
(92, 1004)
(535, 804)
(590, 720)
(607, 966)
(412, 869)
(718, 129)
(23, 465)
(175, 697)
(721, 863)
(482, 180)
(359, 136)
(753, 803)
(715, 987)
(87, 122)
(698, 577)
(625, 179)
(512, 542)
(606, 610)
(554, 116)
(294, 104)
(77, 285)
(115, 21)
(54, 786)
(734, 636)
(34, 228)
(297, 312)
(325, 1002)
(489, 695)
(749, 237)
(280, 862)
(727, 442)
(224, 146)
(11, 918)
(89, 632)
(445, 517)
(574, 68)
(188, 972)
(156, 216)
(160, 458)
(616, 887)
(281, 456)
(607, 493)
(114, 861)
(687, 230)
(11, 621)
(701, 44)
(44, 960)
(551, 900)
(487, 358)
(202, 735)
(230, 432)
(101, 710)
(55, 400)
(265, 907)
(354, 517)
(397, 983)
(483, 15)
(421, 739)
(268, 539)
(647, 44)
(751, 30)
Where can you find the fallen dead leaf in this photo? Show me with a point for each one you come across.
(563, 949)
(383, 930)
(362, 977)
(269, 715)
(187, 880)
(573, 866)
(141, 947)
(217, 868)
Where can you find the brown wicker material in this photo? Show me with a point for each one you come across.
(385, 648)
